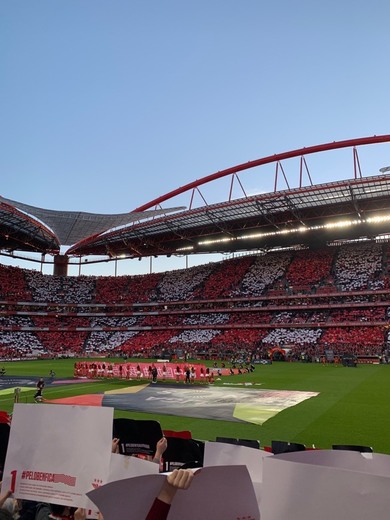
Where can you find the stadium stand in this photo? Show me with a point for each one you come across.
(305, 301)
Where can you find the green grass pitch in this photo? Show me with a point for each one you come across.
(352, 406)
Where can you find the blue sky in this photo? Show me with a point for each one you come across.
(107, 104)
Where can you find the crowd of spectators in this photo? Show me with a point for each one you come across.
(60, 289)
(183, 284)
(357, 266)
(263, 273)
(109, 339)
(13, 284)
(318, 317)
(161, 320)
(127, 289)
(248, 318)
(368, 340)
(215, 318)
(146, 342)
(290, 317)
(309, 268)
(362, 314)
(266, 300)
(225, 277)
(17, 344)
(194, 336)
(299, 337)
(239, 339)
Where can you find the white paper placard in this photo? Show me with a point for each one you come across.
(123, 466)
(58, 453)
(216, 493)
(223, 454)
(326, 484)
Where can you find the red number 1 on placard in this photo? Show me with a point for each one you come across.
(13, 480)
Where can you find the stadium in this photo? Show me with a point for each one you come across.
(194, 261)
(283, 345)
(315, 282)
(304, 290)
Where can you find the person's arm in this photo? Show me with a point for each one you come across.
(115, 445)
(178, 479)
(80, 514)
(158, 511)
(4, 497)
(160, 449)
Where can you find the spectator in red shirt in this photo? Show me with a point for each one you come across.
(178, 479)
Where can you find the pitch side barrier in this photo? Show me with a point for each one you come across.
(142, 371)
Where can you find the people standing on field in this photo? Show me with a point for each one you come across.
(40, 386)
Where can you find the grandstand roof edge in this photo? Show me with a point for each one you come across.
(266, 160)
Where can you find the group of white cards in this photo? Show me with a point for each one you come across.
(62, 454)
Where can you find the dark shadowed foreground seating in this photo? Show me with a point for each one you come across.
(4, 437)
(187, 453)
(137, 437)
(353, 447)
(249, 443)
(278, 447)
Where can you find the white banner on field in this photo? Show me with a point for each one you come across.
(57, 453)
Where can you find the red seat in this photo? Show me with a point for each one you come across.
(184, 434)
(5, 418)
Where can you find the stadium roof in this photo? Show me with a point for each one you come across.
(280, 219)
(299, 216)
(22, 232)
(28, 228)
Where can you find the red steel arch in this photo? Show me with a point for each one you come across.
(266, 160)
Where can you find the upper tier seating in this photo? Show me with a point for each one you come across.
(306, 300)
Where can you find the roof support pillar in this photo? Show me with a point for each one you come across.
(61, 265)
